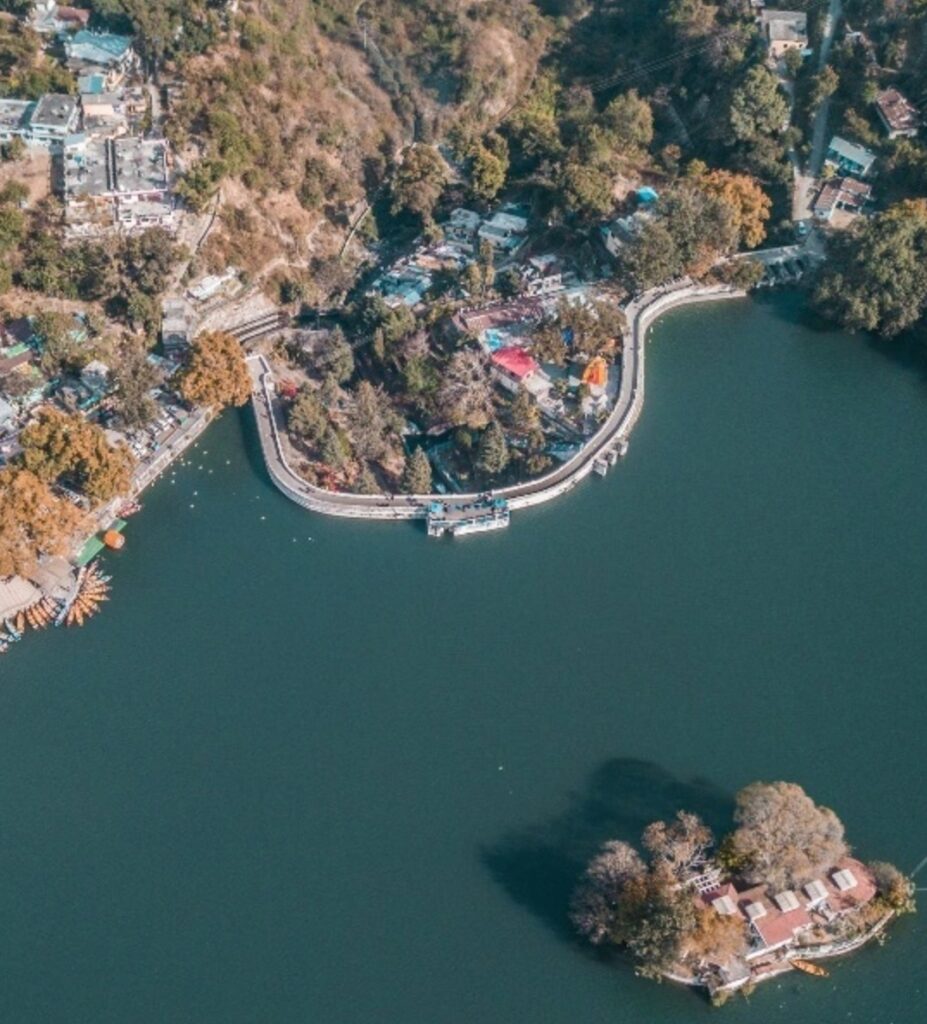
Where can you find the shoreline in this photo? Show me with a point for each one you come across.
(642, 312)
(775, 969)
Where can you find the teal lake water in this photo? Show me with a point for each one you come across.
(304, 770)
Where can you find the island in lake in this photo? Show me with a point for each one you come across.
(780, 892)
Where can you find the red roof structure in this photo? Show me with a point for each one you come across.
(515, 361)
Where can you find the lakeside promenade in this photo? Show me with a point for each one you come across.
(615, 430)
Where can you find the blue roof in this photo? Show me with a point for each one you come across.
(647, 194)
(98, 47)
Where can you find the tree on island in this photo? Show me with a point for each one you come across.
(784, 838)
(217, 374)
(656, 907)
(33, 521)
(416, 477)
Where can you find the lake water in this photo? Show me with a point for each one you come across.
(304, 770)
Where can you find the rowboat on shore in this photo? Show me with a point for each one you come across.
(810, 968)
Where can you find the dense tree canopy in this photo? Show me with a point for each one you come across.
(59, 447)
(783, 837)
(33, 521)
(216, 374)
(876, 276)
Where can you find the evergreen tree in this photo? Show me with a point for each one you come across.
(416, 478)
(493, 453)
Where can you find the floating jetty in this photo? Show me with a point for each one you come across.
(459, 520)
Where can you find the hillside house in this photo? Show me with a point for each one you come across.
(14, 118)
(52, 120)
(846, 194)
(103, 114)
(784, 31)
(850, 158)
(50, 19)
(462, 226)
(542, 275)
(504, 231)
(119, 184)
(897, 114)
(101, 53)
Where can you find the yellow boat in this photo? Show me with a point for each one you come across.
(810, 968)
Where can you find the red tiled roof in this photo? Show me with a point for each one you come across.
(515, 361)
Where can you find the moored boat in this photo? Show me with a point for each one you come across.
(809, 968)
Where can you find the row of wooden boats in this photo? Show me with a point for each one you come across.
(91, 588)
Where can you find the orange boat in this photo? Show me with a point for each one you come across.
(810, 968)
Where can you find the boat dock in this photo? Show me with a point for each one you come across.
(459, 520)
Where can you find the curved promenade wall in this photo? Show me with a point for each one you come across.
(641, 313)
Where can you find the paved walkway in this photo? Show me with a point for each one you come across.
(640, 315)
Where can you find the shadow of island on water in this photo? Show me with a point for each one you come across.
(539, 866)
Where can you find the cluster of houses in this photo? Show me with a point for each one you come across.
(25, 388)
(113, 178)
(781, 922)
(410, 279)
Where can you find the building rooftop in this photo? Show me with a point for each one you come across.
(898, 113)
(14, 114)
(54, 110)
(140, 165)
(786, 26)
(851, 152)
(103, 48)
(515, 361)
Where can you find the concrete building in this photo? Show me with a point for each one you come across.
(849, 158)
(119, 184)
(784, 31)
(504, 231)
(898, 115)
(543, 274)
(176, 325)
(846, 194)
(14, 119)
(103, 114)
(52, 120)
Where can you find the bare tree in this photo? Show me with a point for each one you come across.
(678, 846)
(465, 396)
(595, 903)
(785, 838)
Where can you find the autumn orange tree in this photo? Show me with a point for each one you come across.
(216, 374)
(749, 204)
(33, 521)
(57, 446)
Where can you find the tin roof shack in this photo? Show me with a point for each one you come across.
(850, 158)
(114, 184)
(176, 325)
(52, 120)
(95, 375)
(898, 115)
(105, 52)
(784, 31)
